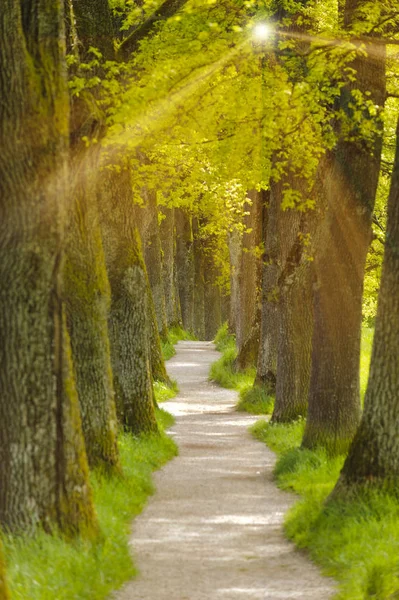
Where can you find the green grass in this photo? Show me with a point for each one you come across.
(365, 358)
(355, 541)
(164, 392)
(175, 334)
(253, 399)
(47, 567)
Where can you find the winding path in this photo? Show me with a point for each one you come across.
(213, 530)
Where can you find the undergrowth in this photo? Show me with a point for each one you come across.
(253, 399)
(46, 567)
(164, 391)
(175, 334)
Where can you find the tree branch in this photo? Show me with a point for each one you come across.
(165, 11)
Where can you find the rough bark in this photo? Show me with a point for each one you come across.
(88, 300)
(213, 300)
(295, 327)
(42, 455)
(86, 279)
(168, 247)
(267, 357)
(199, 283)
(249, 281)
(374, 455)
(129, 324)
(148, 224)
(185, 266)
(234, 243)
(350, 186)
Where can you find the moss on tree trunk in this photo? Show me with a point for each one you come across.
(129, 323)
(42, 454)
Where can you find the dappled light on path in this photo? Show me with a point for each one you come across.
(214, 527)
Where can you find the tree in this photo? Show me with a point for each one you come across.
(373, 458)
(43, 459)
(350, 183)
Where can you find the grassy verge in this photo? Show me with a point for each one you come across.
(355, 541)
(47, 567)
(252, 399)
(175, 334)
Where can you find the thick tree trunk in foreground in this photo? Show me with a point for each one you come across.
(267, 357)
(129, 324)
(250, 280)
(185, 266)
(43, 462)
(147, 221)
(168, 246)
(88, 299)
(374, 455)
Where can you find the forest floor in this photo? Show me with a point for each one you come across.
(214, 527)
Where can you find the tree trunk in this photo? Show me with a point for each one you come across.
(147, 221)
(295, 328)
(234, 243)
(168, 246)
(185, 266)
(249, 280)
(129, 323)
(88, 300)
(267, 357)
(199, 284)
(213, 300)
(374, 455)
(350, 188)
(44, 465)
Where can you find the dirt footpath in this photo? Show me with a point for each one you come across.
(213, 530)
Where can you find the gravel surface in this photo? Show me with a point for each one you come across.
(213, 530)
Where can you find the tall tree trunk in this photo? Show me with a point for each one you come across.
(148, 224)
(199, 283)
(267, 357)
(350, 188)
(213, 300)
(86, 279)
(88, 300)
(185, 266)
(234, 243)
(129, 323)
(294, 339)
(43, 461)
(374, 455)
(250, 282)
(168, 246)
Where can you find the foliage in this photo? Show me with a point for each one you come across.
(45, 567)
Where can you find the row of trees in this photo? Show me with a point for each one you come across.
(159, 167)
